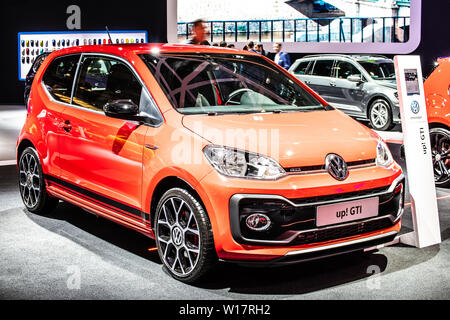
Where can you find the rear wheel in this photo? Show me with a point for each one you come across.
(32, 185)
(184, 236)
(440, 150)
(380, 115)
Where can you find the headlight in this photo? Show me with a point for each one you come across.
(384, 156)
(237, 163)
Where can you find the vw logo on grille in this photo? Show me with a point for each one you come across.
(177, 236)
(336, 166)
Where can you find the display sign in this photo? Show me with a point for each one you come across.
(32, 44)
(419, 163)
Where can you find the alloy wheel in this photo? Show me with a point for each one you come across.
(29, 180)
(379, 115)
(178, 236)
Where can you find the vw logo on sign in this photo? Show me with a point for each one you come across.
(415, 107)
(336, 166)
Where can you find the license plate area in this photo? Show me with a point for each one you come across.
(346, 211)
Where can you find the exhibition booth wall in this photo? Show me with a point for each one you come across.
(151, 17)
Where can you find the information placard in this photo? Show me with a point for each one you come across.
(419, 163)
(32, 44)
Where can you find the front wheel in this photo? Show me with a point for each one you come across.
(380, 115)
(440, 150)
(184, 236)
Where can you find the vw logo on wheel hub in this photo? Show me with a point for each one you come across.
(177, 236)
(336, 166)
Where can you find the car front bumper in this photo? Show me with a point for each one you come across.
(224, 195)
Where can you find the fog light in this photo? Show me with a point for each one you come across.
(258, 222)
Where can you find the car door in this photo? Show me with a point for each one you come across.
(101, 157)
(347, 95)
(56, 82)
(320, 78)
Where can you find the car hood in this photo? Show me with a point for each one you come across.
(388, 83)
(293, 139)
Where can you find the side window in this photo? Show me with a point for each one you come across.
(58, 78)
(323, 68)
(345, 69)
(302, 67)
(102, 80)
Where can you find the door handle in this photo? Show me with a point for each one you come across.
(151, 146)
(333, 84)
(67, 126)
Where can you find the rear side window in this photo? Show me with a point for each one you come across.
(103, 80)
(302, 67)
(58, 78)
(323, 68)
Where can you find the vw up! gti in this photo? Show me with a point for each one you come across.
(217, 154)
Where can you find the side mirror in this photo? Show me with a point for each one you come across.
(122, 109)
(355, 78)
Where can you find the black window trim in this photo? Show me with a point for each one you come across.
(75, 79)
(45, 88)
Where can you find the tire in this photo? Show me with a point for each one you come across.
(26, 96)
(440, 147)
(32, 185)
(380, 115)
(184, 236)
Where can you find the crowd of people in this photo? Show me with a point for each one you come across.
(199, 38)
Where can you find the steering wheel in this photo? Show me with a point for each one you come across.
(232, 95)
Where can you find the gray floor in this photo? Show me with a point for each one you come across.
(71, 254)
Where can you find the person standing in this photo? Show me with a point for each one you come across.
(199, 33)
(281, 58)
(260, 49)
(251, 46)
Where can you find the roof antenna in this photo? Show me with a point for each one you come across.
(107, 30)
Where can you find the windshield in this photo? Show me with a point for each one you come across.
(379, 70)
(225, 83)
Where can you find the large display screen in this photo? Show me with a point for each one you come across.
(350, 26)
(32, 44)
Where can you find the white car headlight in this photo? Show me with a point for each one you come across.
(384, 156)
(241, 164)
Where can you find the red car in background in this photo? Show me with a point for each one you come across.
(437, 94)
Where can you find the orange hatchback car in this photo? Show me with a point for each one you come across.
(437, 94)
(217, 154)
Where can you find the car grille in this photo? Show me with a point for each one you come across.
(340, 232)
(321, 168)
(340, 196)
(294, 219)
